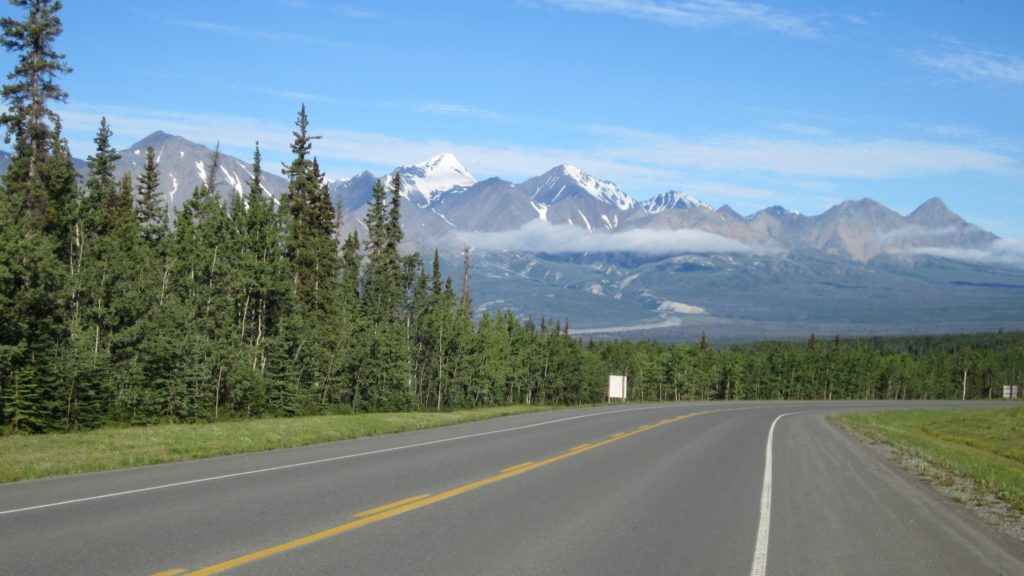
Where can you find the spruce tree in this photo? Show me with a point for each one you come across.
(33, 82)
(101, 185)
(312, 245)
(34, 208)
(150, 208)
(312, 339)
(263, 297)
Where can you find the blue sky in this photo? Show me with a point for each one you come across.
(797, 103)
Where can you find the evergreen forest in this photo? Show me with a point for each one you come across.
(113, 311)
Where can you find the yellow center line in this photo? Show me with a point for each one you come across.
(517, 466)
(175, 572)
(373, 511)
(416, 502)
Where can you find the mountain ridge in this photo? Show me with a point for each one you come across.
(669, 268)
(443, 200)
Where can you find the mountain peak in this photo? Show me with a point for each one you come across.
(572, 171)
(157, 139)
(780, 212)
(934, 214)
(556, 183)
(425, 181)
(444, 161)
(728, 212)
(862, 204)
(672, 199)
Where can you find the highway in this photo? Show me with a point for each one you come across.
(691, 488)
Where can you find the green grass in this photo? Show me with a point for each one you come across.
(982, 445)
(28, 457)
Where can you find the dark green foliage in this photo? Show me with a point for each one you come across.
(29, 121)
(149, 207)
(36, 206)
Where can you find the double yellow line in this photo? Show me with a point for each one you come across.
(393, 509)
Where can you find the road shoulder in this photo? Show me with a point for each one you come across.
(959, 492)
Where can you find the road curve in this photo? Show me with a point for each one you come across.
(648, 489)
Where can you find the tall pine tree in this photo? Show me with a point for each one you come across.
(33, 209)
(150, 208)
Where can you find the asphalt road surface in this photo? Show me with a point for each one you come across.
(724, 489)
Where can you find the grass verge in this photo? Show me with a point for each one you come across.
(28, 457)
(985, 446)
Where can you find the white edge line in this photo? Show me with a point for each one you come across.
(320, 461)
(763, 525)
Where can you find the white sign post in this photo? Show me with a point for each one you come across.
(616, 387)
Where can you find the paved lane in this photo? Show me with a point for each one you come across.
(840, 509)
(664, 489)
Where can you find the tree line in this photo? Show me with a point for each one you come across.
(113, 311)
(966, 366)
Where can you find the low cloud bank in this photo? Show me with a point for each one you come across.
(915, 233)
(1001, 252)
(541, 236)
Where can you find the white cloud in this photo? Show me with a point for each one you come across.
(542, 236)
(870, 159)
(343, 9)
(700, 14)
(726, 190)
(915, 233)
(971, 65)
(257, 34)
(855, 20)
(955, 130)
(304, 97)
(458, 110)
(802, 129)
(1001, 252)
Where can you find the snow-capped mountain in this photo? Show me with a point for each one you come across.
(568, 181)
(183, 167)
(423, 182)
(567, 195)
(670, 200)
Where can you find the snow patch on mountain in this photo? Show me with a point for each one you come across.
(234, 181)
(585, 221)
(542, 210)
(445, 218)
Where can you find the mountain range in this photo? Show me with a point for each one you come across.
(565, 244)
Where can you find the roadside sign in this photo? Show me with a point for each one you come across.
(616, 387)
